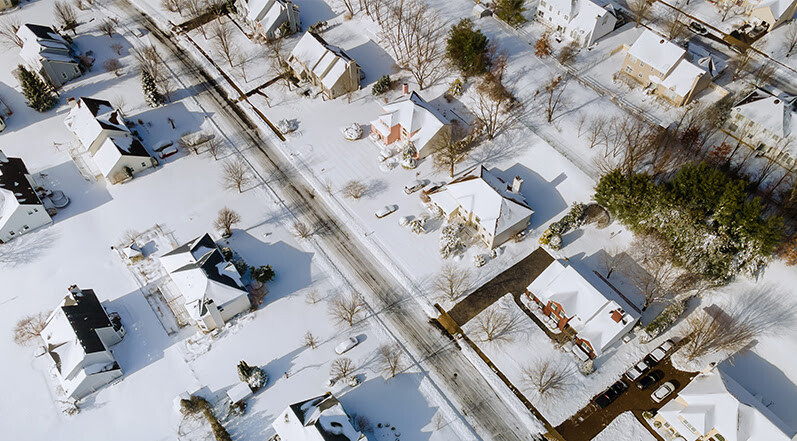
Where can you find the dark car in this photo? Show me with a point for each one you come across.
(698, 28)
(650, 379)
(610, 394)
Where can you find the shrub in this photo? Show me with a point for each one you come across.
(543, 47)
(381, 86)
(466, 48)
(665, 319)
(511, 11)
(263, 274)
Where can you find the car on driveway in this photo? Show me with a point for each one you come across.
(698, 28)
(384, 211)
(659, 353)
(649, 379)
(610, 394)
(663, 392)
(637, 370)
(415, 185)
(347, 344)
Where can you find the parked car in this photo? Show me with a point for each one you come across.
(166, 152)
(649, 379)
(663, 392)
(637, 370)
(414, 186)
(384, 211)
(660, 352)
(610, 394)
(162, 145)
(347, 344)
(698, 28)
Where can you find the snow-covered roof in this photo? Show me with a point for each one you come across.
(200, 271)
(14, 178)
(265, 12)
(318, 419)
(89, 117)
(683, 77)
(778, 7)
(592, 315)
(714, 400)
(770, 112)
(324, 60)
(113, 148)
(487, 197)
(70, 332)
(421, 121)
(656, 51)
(586, 13)
(42, 42)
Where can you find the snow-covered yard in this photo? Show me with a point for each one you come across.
(625, 426)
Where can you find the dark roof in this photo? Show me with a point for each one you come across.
(86, 317)
(12, 178)
(40, 31)
(94, 105)
(322, 402)
(338, 51)
(208, 262)
(135, 149)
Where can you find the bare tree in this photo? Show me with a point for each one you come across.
(654, 284)
(310, 340)
(277, 59)
(349, 7)
(65, 16)
(568, 52)
(117, 48)
(174, 6)
(345, 309)
(452, 150)
(763, 73)
(8, 32)
(235, 175)
(611, 259)
(312, 297)
(496, 324)
(79, 4)
(341, 367)
(751, 316)
(547, 376)
(790, 39)
(726, 7)
(112, 65)
(226, 219)
(674, 24)
(494, 107)
(195, 9)
(223, 41)
(107, 27)
(28, 328)
(354, 189)
(552, 95)
(640, 9)
(415, 34)
(301, 230)
(451, 282)
(390, 359)
(214, 145)
(596, 134)
(740, 62)
(119, 102)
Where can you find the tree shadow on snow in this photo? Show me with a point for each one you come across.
(313, 11)
(374, 60)
(83, 195)
(27, 248)
(541, 195)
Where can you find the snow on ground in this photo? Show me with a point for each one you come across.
(183, 197)
(627, 427)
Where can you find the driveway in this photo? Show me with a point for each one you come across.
(589, 421)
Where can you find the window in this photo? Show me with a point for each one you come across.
(25, 227)
(639, 75)
(542, 3)
(63, 74)
(641, 63)
(541, 13)
(629, 69)
(733, 127)
(143, 164)
(29, 212)
(35, 210)
(566, 18)
(585, 346)
(550, 8)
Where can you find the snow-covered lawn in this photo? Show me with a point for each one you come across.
(625, 426)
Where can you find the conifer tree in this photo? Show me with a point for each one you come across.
(151, 94)
(38, 94)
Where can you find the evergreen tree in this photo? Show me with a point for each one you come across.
(151, 94)
(467, 48)
(38, 94)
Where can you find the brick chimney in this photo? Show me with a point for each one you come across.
(405, 89)
(71, 101)
(74, 290)
(517, 184)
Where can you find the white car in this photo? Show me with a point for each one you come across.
(660, 352)
(384, 211)
(662, 392)
(637, 370)
(347, 344)
(414, 186)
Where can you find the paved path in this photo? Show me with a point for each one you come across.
(514, 280)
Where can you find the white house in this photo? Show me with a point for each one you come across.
(599, 318)
(47, 53)
(78, 336)
(663, 67)
(210, 284)
(267, 17)
(771, 13)
(497, 210)
(584, 21)
(765, 122)
(21, 210)
(715, 407)
(317, 419)
(324, 65)
(101, 129)
(411, 119)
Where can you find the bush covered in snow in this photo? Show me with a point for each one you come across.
(254, 376)
(665, 319)
(382, 85)
(450, 242)
(573, 219)
(714, 228)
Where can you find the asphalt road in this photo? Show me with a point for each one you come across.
(389, 302)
